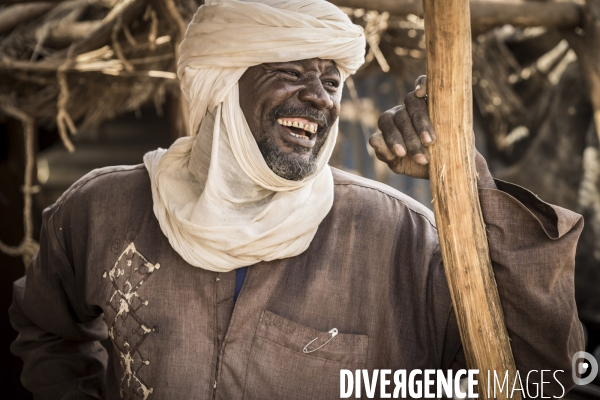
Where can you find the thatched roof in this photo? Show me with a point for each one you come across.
(86, 61)
(81, 62)
(89, 60)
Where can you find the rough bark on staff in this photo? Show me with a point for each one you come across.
(456, 203)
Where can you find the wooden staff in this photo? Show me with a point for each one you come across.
(455, 200)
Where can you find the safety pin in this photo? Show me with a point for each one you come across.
(333, 334)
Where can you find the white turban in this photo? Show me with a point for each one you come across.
(215, 198)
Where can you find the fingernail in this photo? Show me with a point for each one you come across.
(399, 150)
(418, 87)
(426, 137)
(420, 159)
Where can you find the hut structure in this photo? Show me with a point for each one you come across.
(69, 67)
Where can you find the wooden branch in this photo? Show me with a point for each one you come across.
(394, 7)
(82, 62)
(126, 10)
(457, 211)
(8, 64)
(117, 47)
(488, 14)
(169, 9)
(28, 245)
(587, 48)
(16, 14)
(67, 33)
(19, 2)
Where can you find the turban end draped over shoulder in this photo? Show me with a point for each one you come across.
(214, 196)
(226, 37)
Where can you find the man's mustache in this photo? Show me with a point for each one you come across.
(310, 113)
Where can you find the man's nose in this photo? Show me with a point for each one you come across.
(315, 93)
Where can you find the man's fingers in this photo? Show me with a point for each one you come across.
(421, 86)
(417, 109)
(382, 151)
(390, 133)
(412, 169)
(411, 140)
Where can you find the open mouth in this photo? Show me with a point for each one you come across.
(299, 127)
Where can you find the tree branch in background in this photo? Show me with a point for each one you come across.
(586, 44)
(125, 12)
(488, 14)
(18, 13)
(28, 246)
(182, 108)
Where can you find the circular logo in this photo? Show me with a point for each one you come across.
(582, 363)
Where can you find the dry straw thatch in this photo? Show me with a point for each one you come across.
(118, 52)
(84, 61)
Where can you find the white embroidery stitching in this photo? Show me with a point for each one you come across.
(125, 302)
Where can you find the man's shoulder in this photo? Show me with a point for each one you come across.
(108, 185)
(373, 194)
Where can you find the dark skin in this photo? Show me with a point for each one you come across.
(305, 89)
(311, 89)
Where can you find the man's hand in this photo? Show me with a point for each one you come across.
(406, 132)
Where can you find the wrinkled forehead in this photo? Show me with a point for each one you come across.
(324, 66)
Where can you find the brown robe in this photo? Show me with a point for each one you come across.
(373, 271)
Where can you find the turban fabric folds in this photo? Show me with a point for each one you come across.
(215, 198)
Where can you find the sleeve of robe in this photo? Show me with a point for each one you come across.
(58, 333)
(532, 248)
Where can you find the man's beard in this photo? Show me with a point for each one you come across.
(289, 165)
(293, 166)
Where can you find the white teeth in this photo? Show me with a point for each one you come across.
(312, 128)
(299, 136)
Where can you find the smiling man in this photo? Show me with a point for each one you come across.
(283, 90)
(238, 265)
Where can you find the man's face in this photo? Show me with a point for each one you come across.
(290, 108)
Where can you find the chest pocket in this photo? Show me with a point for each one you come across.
(279, 368)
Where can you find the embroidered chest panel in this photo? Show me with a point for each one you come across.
(127, 328)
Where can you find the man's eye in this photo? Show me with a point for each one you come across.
(291, 73)
(334, 84)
